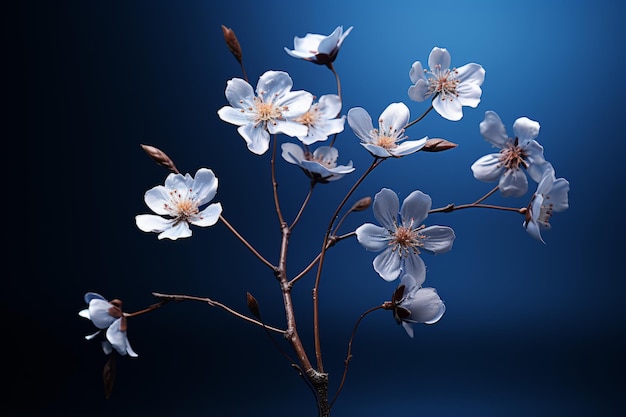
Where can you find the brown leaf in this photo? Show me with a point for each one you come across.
(160, 158)
(438, 145)
(108, 376)
(232, 43)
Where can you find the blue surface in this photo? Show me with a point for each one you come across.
(530, 329)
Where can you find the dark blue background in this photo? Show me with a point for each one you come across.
(530, 329)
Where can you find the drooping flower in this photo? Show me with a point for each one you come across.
(321, 119)
(412, 304)
(389, 139)
(179, 201)
(401, 239)
(450, 88)
(550, 197)
(516, 153)
(319, 49)
(108, 315)
(321, 165)
(273, 110)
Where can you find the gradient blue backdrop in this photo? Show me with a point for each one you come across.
(530, 329)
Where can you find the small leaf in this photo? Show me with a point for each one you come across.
(403, 313)
(108, 376)
(160, 158)
(253, 305)
(397, 294)
(438, 145)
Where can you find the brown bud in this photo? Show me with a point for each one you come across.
(253, 305)
(438, 145)
(232, 43)
(160, 158)
(362, 204)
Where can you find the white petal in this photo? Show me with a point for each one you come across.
(471, 74)
(176, 231)
(385, 208)
(239, 93)
(235, 116)
(292, 153)
(257, 138)
(419, 91)
(408, 147)
(532, 228)
(152, 223)
(273, 84)
(300, 54)
(417, 72)
(513, 183)
(493, 130)
(84, 313)
(426, 306)
(409, 328)
(415, 207)
(414, 266)
(525, 129)
(156, 198)
(376, 150)
(204, 185)
(558, 195)
(99, 313)
(387, 264)
(448, 109)
(488, 168)
(93, 296)
(209, 216)
(287, 127)
(439, 239)
(361, 123)
(373, 238)
(439, 57)
(91, 336)
(394, 117)
(329, 106)
(297, 103)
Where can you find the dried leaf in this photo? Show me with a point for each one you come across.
(232, 43)
(108, 376)
(253, 305)
(160, 158)
(438, 145)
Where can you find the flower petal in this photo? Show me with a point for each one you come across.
(425, 306)
(449, 108)
(394, 117)
(525, 129)
(493, 130)
(488, 168)
(414, 266)
(207, 217)
(204, 185)
(152, 223)
(373, 238)
(361, 123)
(385, 208)
(256, 137)
(415, 207)
(439, 239)
(408, 147)
(176, 231)
(513, 183)
(439, 57)
(387, 264)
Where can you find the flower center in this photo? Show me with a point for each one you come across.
(406, 240)
(387, 138)
(182, 206)
(513, 156)
(266, 111)
(309, 118)
(443, 83)
(545, 213)
(328, 162)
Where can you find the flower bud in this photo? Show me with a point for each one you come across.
(362, 204)
(160, 158)
(438, 145)
(232, 43)
(253, 305)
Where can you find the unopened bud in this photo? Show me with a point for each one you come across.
(362, 204)
(253, 305)
(438, 145)
(232, 43)
(160, 158)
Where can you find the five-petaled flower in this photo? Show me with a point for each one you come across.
(450, 88)
(412, 304)
(108, 315)
(321, 119)
(179, 200)
(516, 153)
(400, 242)
(319, 49)
(320, 165)
(273, 110)
(550, 197)
(389, 139)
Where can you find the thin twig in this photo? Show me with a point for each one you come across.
(246, 243)
(304, 204)
(213, 303)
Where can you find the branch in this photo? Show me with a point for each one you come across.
(245, 242)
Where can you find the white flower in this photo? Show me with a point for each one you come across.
(274, 109)
(321, 165)
(516, 153)
(319, 49)
(401, 241)
(321, 119)
(384, 141)
(550, 197)
(108, 315)
(453, 88)
(180, 201)
(414, 304)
